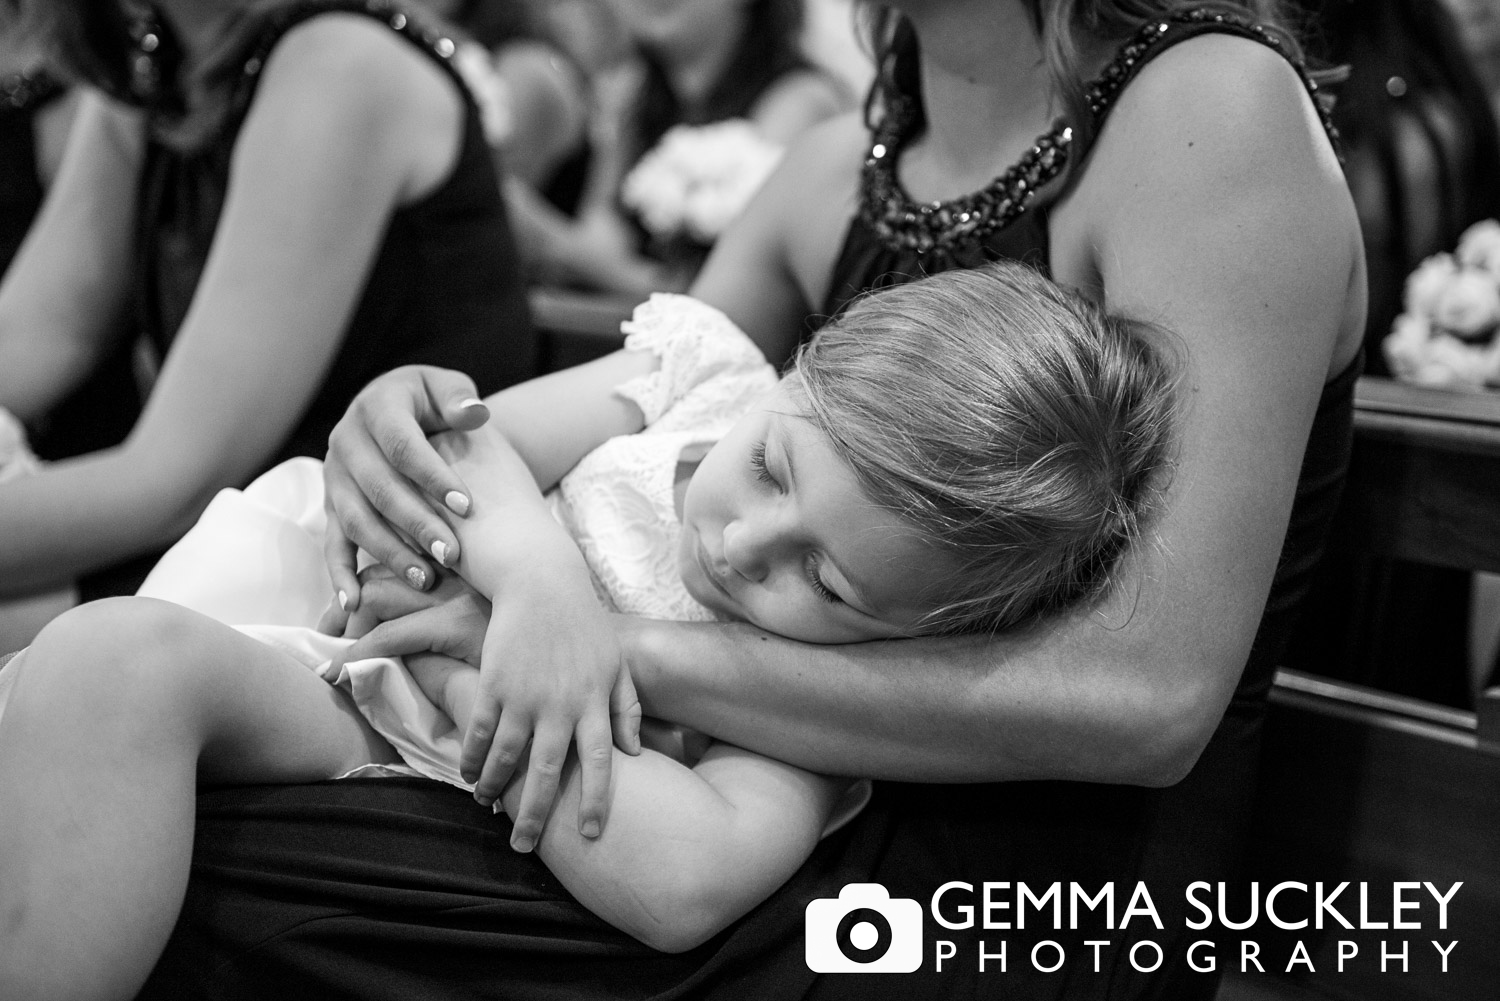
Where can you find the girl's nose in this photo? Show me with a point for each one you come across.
(747, 550)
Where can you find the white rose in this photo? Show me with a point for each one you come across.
(1426, 283)
(1468, 306)
(1479, 247)
(1418, 355)
(698, 179)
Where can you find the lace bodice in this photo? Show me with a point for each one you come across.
(618, 502)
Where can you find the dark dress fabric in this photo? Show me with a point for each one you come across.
(408, 889)
(101, 411)
(444, 289)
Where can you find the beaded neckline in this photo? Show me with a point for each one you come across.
(19, 91)
(903, 223)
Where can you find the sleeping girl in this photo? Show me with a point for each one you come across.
(974, 452)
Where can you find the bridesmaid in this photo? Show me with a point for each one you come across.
(287, 199)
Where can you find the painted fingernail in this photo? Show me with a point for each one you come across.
(590, 829)
(343, 601)
(416, 577)
(496, 807)
(472, 401)
(457, 503)
(440, 551)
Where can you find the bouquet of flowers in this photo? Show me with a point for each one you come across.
(1446, 337)
(698, 178)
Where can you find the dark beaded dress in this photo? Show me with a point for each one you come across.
(444, 289)
(101, 411)
(407, 890)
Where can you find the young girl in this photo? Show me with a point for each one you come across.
(988, 464)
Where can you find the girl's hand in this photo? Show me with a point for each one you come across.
(450, 619)
(549, 679)
(380, 465)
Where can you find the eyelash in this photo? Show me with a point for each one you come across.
(758, 461)
(819, 588)
(763, 473)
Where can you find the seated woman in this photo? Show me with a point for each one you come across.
(1192, 182)
(695, 62)
(826, 509)
(287, 198)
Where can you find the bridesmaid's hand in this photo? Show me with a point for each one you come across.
(382, 478)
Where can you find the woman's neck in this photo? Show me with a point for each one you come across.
(693, 70)
(985, 86)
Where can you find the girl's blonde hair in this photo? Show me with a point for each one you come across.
(1021, 429)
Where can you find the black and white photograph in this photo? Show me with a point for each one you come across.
(749, 500)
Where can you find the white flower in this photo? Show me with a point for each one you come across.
(1427, 282)
(698, 179)
(1468, 306)
(1479, 247)
(1418, 354)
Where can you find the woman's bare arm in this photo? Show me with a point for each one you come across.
(313, 183)
(1226, 221)
(67, 286)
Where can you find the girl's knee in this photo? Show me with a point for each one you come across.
(118, 646)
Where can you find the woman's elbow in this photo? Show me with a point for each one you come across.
(1172, 736)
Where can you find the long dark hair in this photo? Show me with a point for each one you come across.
(1060, 24)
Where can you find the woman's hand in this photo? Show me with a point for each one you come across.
(379, 467)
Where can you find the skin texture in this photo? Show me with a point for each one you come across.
(1211, 204)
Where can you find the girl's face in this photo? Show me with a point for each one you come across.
(776, 531)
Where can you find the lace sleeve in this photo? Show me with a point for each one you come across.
(708, 365)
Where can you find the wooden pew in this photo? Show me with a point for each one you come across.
(576, 327)
(1365, 786)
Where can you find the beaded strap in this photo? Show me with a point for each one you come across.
(19, 91)
(426, 37)
(905, 224)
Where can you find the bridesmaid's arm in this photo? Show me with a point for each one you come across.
(349, 122)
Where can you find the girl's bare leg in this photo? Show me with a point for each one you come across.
(121, 709)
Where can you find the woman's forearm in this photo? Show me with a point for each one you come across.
(946, 710)
(82, 514)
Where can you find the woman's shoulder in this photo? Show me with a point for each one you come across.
(1242, 93)
(352, 71)
(349, 53)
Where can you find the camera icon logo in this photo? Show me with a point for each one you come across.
(865, 930)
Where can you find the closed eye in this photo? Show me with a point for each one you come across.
(758, 462)
(821, 589)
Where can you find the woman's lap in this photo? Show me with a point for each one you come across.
(408, 889)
